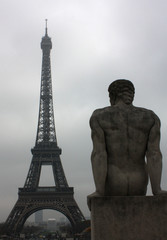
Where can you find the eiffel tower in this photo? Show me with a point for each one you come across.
(31, 197)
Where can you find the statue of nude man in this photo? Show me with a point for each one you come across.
(123, 135)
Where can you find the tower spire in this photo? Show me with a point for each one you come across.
(46, 27)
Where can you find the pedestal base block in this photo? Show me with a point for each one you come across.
(129, 218)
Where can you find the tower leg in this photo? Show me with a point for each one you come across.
(30, 202)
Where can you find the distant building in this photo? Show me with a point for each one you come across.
(39, 217)
(52, 225)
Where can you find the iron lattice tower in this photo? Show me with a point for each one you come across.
(46, 152)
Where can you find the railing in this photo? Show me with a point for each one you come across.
(47, 189)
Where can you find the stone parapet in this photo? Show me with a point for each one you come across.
(129, 218)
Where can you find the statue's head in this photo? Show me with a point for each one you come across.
(123, 90)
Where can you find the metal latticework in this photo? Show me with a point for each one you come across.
(46, 125)
(61, 200)
(45, 157)
(46, 152)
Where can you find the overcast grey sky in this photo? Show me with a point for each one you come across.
(94, 43)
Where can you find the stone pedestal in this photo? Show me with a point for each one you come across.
(129, 218)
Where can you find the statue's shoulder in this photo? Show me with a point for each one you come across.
(146, 112)
(98, 115)
(101, 111)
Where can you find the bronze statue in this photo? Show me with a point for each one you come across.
(123, 136)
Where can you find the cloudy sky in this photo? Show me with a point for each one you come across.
(94, 43)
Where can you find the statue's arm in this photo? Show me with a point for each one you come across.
(154, 157)
(99, 155)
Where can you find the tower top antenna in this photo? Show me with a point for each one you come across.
(46, 27)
